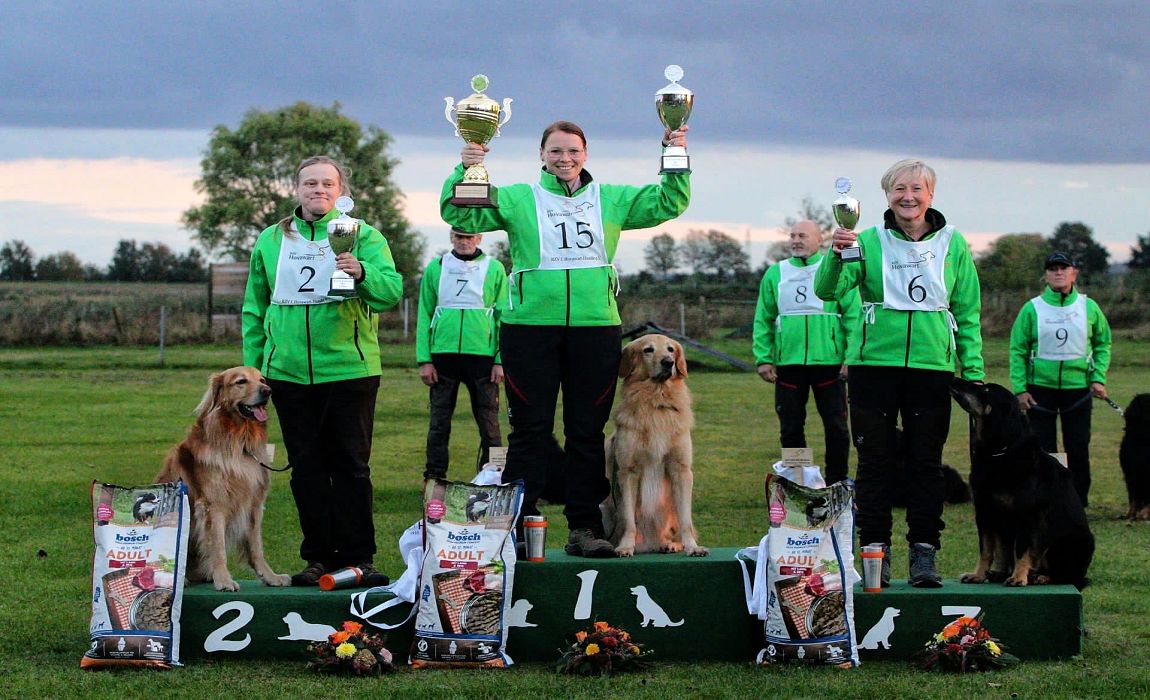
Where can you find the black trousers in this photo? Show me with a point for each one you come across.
(327, 431)
(1074, 407)
(794, 384)
(473, 372)
(538, 361)
(879, 396)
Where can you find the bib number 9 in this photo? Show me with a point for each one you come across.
(1061, 335)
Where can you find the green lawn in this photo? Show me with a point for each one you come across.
(68, 416)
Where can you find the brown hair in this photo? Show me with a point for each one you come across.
(567, 128)
(344, 184)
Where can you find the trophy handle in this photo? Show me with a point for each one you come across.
(447, 113)
(506, 114)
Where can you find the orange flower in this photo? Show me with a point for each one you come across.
(352, 627)
(580, 636)
(602, 626)
(339, 637)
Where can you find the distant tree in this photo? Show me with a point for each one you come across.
(94, 273)
(1077, 239)
(817, 212)
(661, 255)
(189, 267)
(1140, 254)
(502, 252)
(778, 250)
(249, 178)
(726, 255)
(60, 267)
(1013, 262)
(17, 261)
(127, 263)
(694, 251)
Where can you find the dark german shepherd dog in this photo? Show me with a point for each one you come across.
(1031, 524)
(1134, 456)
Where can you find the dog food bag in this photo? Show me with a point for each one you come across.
(809, 564)
(141, 536)
(468, 568)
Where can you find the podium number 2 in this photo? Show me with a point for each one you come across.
(217, 640)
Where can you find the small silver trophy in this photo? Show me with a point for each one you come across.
(674, 104)
(847, 210)
(341, 234)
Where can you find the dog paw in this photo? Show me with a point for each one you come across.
(624, 551)
(226, 584)
(971, 578)
(696, 551)
(670, 547)
(1012, 581)
(278, 580)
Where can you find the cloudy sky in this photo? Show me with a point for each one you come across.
(1032, 113)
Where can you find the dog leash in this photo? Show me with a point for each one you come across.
(1112, 404)
(265, 466)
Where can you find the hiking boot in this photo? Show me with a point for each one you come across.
(309, 576)
(884, 579)
(372, 576)
(585, 542)
(923, 572)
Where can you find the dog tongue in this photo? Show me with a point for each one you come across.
(261, 413)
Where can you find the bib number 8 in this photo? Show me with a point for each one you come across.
(800, 294)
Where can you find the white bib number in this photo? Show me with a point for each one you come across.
(303, 272)
(570, 230)
(1061, 330)
(461, 282)
(912, 272)
(796, 293)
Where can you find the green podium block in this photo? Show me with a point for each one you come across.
(683, 608)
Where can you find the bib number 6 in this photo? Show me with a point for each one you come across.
(916, 291)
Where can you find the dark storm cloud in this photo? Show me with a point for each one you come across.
(1055, 82)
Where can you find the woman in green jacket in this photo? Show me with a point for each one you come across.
(919, 319)
(561, 328)
(320, 356)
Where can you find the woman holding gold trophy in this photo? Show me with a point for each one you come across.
(311, 325)
(920, 316)
(561, 326)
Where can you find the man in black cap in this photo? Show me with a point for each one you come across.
(1059, 354)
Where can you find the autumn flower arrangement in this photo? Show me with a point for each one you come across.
(350, 651)
(964, 645)
(602, 650)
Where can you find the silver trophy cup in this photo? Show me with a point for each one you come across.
(847, 210)
(342, 232)
(674, 103)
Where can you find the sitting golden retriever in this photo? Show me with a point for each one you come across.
(220, 460)
(649, 456)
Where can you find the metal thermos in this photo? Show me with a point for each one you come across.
(535, 531)
(347, 577)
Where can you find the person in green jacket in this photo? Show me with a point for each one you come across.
(920, 317)
(561, 329)
(1059, 354)
(457, 342)
(799, 343)
(320, 356)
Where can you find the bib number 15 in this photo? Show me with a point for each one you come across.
(582, 228)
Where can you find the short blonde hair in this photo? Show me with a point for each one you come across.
(910, 166)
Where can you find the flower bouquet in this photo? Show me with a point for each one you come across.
(350, 651)
(964, 645)
(602, 650)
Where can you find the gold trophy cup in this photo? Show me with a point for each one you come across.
(477, 120)
(847, 211)
(341, 236)
(674, 103)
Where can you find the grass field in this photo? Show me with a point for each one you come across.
(68, 416)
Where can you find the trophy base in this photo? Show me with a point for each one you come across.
(342, 285)
(851, 254)
(475, 194)
(675, 162)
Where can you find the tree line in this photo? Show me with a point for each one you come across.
(131, 262)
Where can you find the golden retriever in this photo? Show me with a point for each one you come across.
(649, 455)
(220, 461)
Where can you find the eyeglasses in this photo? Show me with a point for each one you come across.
(560, 152)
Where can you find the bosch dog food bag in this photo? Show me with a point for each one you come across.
(464, 594)
(141, 536)
(808, 560)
